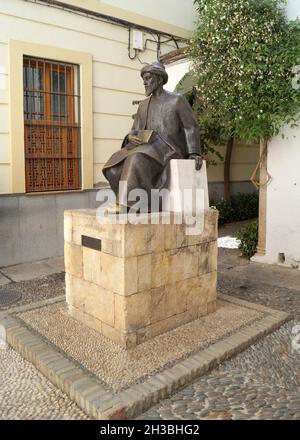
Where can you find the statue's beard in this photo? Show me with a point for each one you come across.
(149, 90)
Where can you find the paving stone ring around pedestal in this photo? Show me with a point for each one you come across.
(8, 296)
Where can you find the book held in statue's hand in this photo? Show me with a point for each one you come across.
(145, 135)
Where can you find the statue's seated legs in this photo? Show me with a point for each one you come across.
(139, 171)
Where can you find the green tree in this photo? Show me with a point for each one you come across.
(243, 54)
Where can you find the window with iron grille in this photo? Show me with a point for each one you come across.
(51, 125)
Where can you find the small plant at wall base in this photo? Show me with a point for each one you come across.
(244, 53)
(245, 206)
(249, 239)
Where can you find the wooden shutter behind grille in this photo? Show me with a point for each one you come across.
(52, 139)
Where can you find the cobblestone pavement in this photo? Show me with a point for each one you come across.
(263, 382)
(260, 383)
(37, 289)
(25, 394)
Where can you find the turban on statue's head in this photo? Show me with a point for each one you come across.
(156, 68)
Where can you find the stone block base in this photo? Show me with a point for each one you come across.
(143, 280)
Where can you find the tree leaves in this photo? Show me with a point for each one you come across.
(244, 54)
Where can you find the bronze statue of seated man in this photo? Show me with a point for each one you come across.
(164, 128)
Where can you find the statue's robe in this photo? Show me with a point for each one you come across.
(176, 136)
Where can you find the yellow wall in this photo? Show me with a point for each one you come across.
(114, 83)
(243, 161)
(5, 157)
(179, 13)
(175, 17)
(17, 49)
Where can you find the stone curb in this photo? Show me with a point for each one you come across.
(91, 396)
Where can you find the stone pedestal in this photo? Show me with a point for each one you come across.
(141, 280)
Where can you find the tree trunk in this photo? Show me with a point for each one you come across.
(227, 163)
(264, 178)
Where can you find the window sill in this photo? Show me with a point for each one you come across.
(52, 193)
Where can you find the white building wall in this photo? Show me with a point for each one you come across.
(180, 13)
(283, 192)
(283, 199)
(293, 9)
(176, 72)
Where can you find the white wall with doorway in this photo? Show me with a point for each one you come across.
(176, 72)
(283, 191)
(283, 200)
